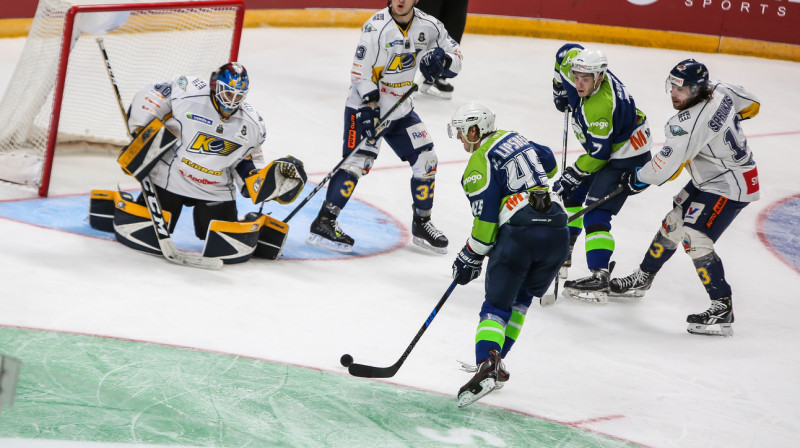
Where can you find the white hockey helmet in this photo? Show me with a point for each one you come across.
(590, 61)
(471, 114)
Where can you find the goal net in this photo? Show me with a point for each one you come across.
(60, 90)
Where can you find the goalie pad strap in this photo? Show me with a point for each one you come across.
(147, 148)
(235, 242)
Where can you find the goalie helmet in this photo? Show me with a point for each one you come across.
(687, 73)
(590, 61)
(471, 114)
(229, 87)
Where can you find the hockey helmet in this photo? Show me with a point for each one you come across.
(688, 73)
(471, 114)
(590, 61)
(229, 87)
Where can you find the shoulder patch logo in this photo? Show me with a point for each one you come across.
(368, 28)
(183, 82)
(685, 115)
(677, 130)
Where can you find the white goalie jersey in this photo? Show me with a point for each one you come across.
(202, 165)
(708, 140)
(386, 58)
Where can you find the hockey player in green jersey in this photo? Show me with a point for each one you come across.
(516, 225)
(616, 138)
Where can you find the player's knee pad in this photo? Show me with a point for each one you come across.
(697, 244)
(359, 165)
(424, 165)
(671, 230)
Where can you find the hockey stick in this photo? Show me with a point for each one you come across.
(547, 299)
(165, 243)
(328, 176)
(366, 371)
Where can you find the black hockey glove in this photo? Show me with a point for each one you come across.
(560, 96)
(432, 64)
(566, 185)
(367, 119)
(631, 184)
(467, 266)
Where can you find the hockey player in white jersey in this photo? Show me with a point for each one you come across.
(394, 42)
(219, 138)
(706, 137)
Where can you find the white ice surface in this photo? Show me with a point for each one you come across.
(631, 366)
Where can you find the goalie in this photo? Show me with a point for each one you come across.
(198, 143)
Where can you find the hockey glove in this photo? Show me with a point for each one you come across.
(432, 64)
(566, 185)
(367, 118)
(631, 184)
(467, 266)
(560, 96)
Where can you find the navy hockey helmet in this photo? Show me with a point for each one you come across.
(229, 87)
(688, 73)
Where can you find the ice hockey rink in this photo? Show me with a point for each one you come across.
(121, 349)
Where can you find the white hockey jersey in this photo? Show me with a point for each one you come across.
(202, 165)
(708, 140)
(386, 58)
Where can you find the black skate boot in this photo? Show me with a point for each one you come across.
(720, 313)
(592, 289)
(502, 373)
(485, 380)
(633, 285)
(441, 88)
(326, 233)
(562, 273)
(427, 236)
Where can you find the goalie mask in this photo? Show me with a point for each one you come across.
(229, 87)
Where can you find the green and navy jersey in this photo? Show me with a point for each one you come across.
(496, 180)
(607, 124)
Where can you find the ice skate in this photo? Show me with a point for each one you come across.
(633, 285)
(427, 236)
(441, 88)
(592, 289)
(502, 373)
(720, 313)
(485, 380)
(326, 234)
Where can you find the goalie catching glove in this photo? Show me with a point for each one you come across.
(281, 180)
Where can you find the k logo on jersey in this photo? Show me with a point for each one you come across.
(208, 144)
(402, 62)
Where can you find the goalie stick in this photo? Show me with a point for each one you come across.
(330, 174)
(366, 371)
(165, 243)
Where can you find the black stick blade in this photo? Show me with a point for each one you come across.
(365, 371)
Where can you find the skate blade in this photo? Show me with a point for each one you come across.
(725, 330)
(322, 243)
(593, 297)
(434, 92)
(427, 246)
(632, 294)
(466, 398)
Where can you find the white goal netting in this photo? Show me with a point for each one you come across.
(145, 43)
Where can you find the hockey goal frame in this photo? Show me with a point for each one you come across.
(69, 24)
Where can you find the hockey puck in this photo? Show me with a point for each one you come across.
(346, 360)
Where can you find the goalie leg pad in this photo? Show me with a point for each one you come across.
(133, 227)
(232, 242)
(101, 209)
(271, 238)
(146, 149)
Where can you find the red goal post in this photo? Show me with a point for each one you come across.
(60, 91)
